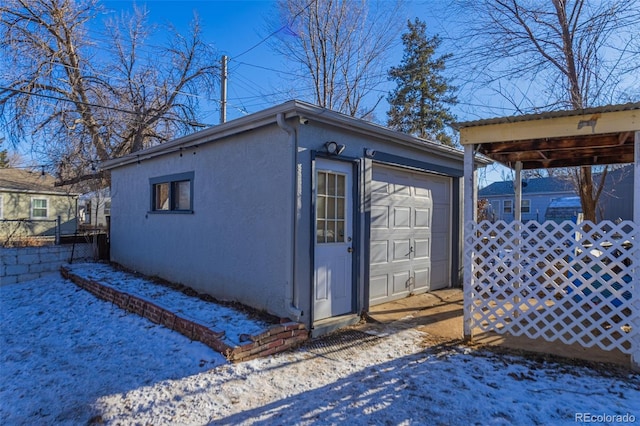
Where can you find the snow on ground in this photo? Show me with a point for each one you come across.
(69, 358)
(216, 317)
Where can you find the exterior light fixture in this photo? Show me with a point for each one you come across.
(333, 148)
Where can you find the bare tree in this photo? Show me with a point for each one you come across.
(340, 46)
(83, 101)
(572, 53)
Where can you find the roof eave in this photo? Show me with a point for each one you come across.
(289, 109)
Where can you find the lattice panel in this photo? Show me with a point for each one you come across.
(569, 282)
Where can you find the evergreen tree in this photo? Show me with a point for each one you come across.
(419, 104)
(4, 159)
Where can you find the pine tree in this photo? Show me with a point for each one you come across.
(419, 104)
(4, 159)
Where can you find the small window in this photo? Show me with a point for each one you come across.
(172, 193)
(107, 208)
(508, 207)
(39, 208)
(525, 206)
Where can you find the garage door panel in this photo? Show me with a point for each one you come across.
(401, 250)
(401, 190)
(379, 252)
(401, 282)
(379, 287)
(402, 217)
(423, 193)
(422, 278)
(422, 249)
(379, 187)
(405, 214)
(380, 217)
(422, 218)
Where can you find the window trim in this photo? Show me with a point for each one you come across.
(46, 216)
(508, 203)
(171, 180)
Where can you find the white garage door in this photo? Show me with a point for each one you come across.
(410, 233)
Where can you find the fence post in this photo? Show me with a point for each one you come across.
(58, 225)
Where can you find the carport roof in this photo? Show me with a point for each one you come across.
(593, 136)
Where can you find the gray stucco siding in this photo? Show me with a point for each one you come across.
(235, 244)
(312, 137)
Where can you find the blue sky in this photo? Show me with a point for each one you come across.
(235, 28)
(258, 78)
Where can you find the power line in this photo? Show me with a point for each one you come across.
(276, 31)
(57, 98)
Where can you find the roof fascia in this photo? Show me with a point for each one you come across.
(551, 127)
(289, 109)
(32, 191)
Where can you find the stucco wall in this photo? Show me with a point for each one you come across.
(18, 206)
(312, 137)
(235, 244)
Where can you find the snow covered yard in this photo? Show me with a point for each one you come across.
(69, 358)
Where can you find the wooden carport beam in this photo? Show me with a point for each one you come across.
(557, 127)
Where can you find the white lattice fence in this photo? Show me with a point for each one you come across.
(569, 282)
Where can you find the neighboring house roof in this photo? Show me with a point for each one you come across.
(529, 186)
(294, 108)
(18, 180)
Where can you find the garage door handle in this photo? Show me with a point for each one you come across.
(350, 250)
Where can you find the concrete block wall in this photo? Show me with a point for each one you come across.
(19, 264)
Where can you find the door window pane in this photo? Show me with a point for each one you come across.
(331, 184)
(321, 205)
(341, 186)
(331, 207)
(322, 183)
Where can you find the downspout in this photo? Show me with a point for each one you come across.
(291, 300)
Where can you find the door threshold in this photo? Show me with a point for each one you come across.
(327, 325)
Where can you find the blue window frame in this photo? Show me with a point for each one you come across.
(172, 193)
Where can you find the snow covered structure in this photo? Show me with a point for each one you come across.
(297, 210)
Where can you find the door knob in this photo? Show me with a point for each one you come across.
(350, 250)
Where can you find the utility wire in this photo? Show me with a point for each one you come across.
(276, 31)
(57, 98)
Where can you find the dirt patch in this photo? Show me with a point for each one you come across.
(439, 314)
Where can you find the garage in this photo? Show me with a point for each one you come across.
(410, 239)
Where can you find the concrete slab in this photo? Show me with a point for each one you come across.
(440, 314)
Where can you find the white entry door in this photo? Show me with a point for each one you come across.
(333, 283)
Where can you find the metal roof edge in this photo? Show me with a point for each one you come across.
(547, 115)
(292, 108)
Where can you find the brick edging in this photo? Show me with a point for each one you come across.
(275, 339)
